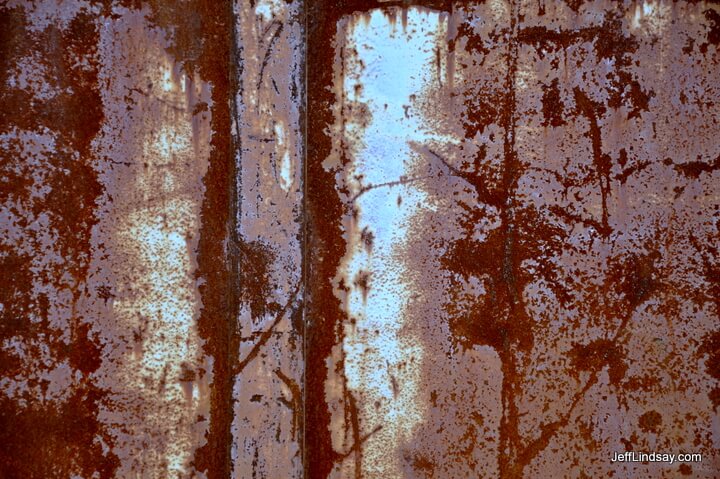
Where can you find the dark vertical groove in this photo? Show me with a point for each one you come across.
(304, 239)
(510, 443)
(218, 264)
(235, 187)
(323, 211)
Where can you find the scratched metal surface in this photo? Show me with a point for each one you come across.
(268, 414)
(344, 238)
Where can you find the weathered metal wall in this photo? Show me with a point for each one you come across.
(115, 146)
(358, 239)
(513, 229)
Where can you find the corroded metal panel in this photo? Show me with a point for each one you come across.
(512, 213)
(268, 414)
(151, 178)
(152, 152)
(51, 111)
(349, 238)
(113, 129)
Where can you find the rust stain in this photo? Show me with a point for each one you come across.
(353, 238)
(52, 109)
(106, 122)
(527, 264)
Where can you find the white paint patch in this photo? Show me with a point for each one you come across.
(265, 9)
(387, 67)
(651, 17)
(286, 168)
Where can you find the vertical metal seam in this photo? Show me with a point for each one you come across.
(235, 185)
(303, 250)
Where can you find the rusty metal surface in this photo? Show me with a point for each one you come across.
(110, 150)
(348, 238)
(513, 212)
(268, 413)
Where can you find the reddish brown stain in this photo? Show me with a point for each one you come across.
(713, 34)
(553, 107)
(650, 421)
(628, 286)
(254, 276)
(711, 348)
(599, 354)
(323, 213)
(47, 438)
(207, 43)
(693, 169)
